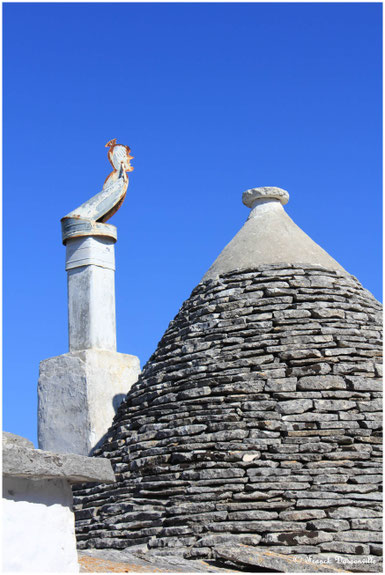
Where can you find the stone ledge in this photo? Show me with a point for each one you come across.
(11, 439)
(21, 460)
(139, 560)
(246, 555)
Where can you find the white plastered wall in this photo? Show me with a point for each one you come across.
(38, 526)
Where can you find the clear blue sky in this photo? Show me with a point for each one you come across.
(213, 99)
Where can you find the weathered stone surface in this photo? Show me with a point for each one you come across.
(140, 560)
(321, 382)
(218, 540)
(370, 524)
(329, 524)
(219, 438)
(333, 405)
(360, 535)
(295, 549)
(251, 515)
(287, 384)
(245, 555)
(348, 563)
(322, 503)
(314, 369)
(327, 313)
(79, 393)
(295, 406)
(22, 461)
(342, 547)
(298, 537)
(302, 515)
(11, 440)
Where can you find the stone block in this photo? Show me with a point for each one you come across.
(245, 555)
(302, 515)
(295, 406)
(376, 549)
(313, 369)
(342, 547)
(298, 537)
(357, 535)
(321, 382)
(78, 395)
(363, 384)
(370, 524)
(25, 462)
(329, 524)
(333, 405)
(325, 313)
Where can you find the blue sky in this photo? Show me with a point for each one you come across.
(213, 99)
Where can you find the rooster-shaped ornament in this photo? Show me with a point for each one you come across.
(89, 218)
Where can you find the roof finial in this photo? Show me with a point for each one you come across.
(256, 195)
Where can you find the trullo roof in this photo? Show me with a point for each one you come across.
(254, 428)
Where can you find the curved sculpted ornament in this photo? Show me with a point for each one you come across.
(90, 217)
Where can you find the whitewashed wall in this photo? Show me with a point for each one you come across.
(38, 526)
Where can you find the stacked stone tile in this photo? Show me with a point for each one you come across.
(257, 420)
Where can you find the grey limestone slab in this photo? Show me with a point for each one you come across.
(22, 460)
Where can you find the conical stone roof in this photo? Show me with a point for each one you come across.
(269, 236)
(257, 419)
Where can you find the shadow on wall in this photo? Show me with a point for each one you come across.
(116, 401)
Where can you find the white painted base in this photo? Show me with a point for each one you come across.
(38, 526)
(78, 394)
